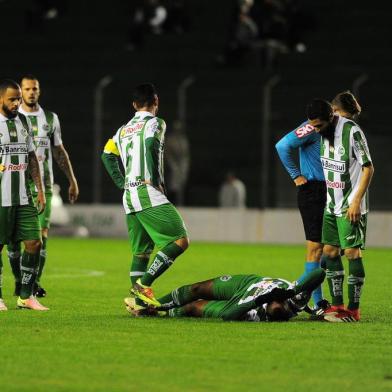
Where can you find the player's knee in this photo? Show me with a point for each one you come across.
(183, 243)
(331, 251)
(33, 246)
(352, 253)
(197, 290)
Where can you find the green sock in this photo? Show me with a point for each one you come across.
(355, 281)
(176, 312)
(163, 260)
(1, 276)
(29, 269)
(137, 270)
(14, 253)
(42, 258)
(178, 297)
(335, 277)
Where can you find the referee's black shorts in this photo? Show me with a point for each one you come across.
(311, 198)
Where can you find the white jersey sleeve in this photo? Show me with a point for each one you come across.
(56, 138)
(360, 146)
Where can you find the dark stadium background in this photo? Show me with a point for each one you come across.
(71, 53)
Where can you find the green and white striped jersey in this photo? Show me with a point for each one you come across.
(15, 144)
(342, 162)
(46, 132)
(140, 146)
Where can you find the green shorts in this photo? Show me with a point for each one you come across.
(339, 231)
(228, 290)
(44, 217)
(19, 223)
(158, 226)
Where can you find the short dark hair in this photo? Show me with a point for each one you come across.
(320, 109)
(144, 95)
(28, 77)
(347, 102)
(7, 83)
(282, 313)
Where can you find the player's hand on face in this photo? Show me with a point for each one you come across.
(354, 212)
(300, 180)
(41, 202)
(73, 192)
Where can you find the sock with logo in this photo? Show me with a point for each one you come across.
(335, 277)
(177, 312)
(29, 269)
(355, 281)
(178, 297)
(14, 253)
(310, 266)
(42, 257)
(162, 261)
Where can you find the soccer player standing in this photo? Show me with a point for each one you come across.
(151, 218)
(48, 142)
(348, 170)
(18, 215)
(311, 189)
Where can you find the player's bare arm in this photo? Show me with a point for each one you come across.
(62, 158)
(354, 210)
(36, 176)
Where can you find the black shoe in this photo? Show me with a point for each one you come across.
(39, 291)
(318, 312)
(18, 286)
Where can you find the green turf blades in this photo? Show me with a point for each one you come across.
(88, 342)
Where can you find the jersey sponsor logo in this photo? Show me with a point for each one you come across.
(361, 147)
(130, 130)
(14, 167)
(333, 165)
(305, 130)
(225, 278)
(133, 184)
(335, 184)
(41, 141)
(14, 148)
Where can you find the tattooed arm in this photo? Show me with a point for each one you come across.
(36, 176)
(61, 157)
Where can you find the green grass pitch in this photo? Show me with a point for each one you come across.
(88, 342)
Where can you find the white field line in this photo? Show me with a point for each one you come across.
(68, 273)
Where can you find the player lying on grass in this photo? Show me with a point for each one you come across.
(236, 297)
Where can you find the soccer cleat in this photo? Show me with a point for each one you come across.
(3, 306)
(138, 310)
(144, 293)
(39, 291)
(30, 303)
(344, 316)
(317, 313)
(333, 309)
(18, 286)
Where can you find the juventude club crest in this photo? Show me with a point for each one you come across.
(46, 127)
(341, 150)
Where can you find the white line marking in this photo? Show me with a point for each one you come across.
(68, 273)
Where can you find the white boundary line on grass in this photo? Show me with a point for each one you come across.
(70, 273)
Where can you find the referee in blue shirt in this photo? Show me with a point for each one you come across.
(312, 192)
